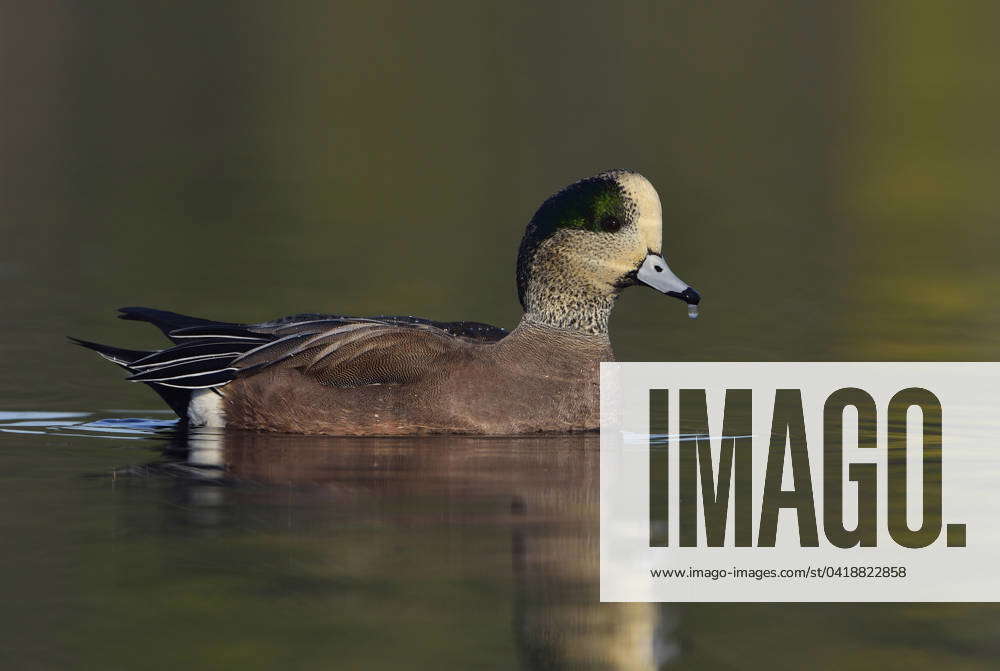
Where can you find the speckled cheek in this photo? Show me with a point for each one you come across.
(600, 259)
(626, 251)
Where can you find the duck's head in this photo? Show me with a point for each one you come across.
(587, 243)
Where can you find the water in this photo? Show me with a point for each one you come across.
(373, 553)
(293, 159)
(369, 552)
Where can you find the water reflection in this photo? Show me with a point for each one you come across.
(540, 493)
(437, 552)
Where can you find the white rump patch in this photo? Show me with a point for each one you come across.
(206, 409)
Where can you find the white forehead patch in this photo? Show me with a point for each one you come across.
(650, 220)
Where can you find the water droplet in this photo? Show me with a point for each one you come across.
(693, 311)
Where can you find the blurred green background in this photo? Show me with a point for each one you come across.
(828, 174)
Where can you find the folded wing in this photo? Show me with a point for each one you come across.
(335, 350)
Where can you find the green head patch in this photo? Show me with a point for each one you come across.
(596, 204)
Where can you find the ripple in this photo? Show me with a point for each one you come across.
(87, 424)
(31, 414)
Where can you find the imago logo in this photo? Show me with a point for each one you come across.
(800, 481)
(788, 444)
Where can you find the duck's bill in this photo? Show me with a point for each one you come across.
(655, 272)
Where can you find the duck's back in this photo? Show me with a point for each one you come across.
(331, 350)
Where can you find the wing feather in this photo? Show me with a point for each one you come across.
(355, 354)
(335, 350)
(184, 369)
(190, 352)
(218, 332)
(386, 356)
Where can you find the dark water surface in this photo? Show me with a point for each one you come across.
(828, 174)
(133, 546)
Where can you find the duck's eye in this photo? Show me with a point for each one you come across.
(610, 223)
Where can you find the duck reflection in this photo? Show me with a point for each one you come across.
(541, 492)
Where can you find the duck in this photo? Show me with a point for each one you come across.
(403, 375)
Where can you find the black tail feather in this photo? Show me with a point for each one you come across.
(177, 399)
(120, 356)
(166, 321)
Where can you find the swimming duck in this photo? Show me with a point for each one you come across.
(333, 374)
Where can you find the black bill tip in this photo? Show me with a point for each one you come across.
(689, 296)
